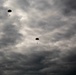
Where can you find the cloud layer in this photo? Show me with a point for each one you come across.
(53, 22)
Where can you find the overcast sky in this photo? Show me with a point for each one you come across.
(53, 22)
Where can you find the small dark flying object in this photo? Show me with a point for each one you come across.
(9, 10)
(37, 39)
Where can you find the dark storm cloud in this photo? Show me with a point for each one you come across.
(40, 59)
(25, 64)
(70, 61)
(69, 7)
(71, 4)
(10, 37)
(38, 63)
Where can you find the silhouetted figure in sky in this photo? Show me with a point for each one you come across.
(9, 10)
(36, 38)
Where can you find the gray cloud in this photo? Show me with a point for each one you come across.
(71, 4)
(69, 7)
(38, 63)
(53, 21)
(10, 36)
(24, 4)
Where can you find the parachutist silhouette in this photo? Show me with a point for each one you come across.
(9, 10)
(37, 39)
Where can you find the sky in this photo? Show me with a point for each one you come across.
(53, 22)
